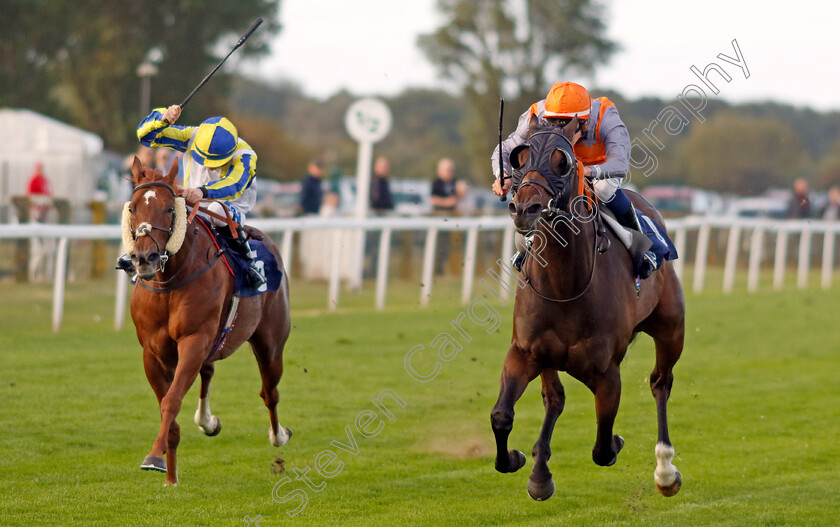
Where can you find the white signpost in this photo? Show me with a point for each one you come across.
(367, 121)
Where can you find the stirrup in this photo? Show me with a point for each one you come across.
(255, 279)
(648, 265)
(517, 260)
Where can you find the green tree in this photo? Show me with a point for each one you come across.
(77, 61)
(732, 152)
(485, 48)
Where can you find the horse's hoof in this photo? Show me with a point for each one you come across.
(617, 445)
(516, 460)
(154, 463)
(540, 491)
(282, 439)
(215, 431)
(673, 488)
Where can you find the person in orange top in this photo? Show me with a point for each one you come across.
(601, 143)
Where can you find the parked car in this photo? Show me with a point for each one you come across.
(672, 200)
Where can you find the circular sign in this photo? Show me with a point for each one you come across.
(368, 120)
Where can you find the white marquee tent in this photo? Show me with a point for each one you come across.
(70, 156)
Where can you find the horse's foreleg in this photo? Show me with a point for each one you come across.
(607, 390)
(206, 421)
(160, 379)
(190, 356)
(517, 373)
(666, 476)
(540, 484)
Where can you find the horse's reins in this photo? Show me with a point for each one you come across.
(551, 211)
(145, 228)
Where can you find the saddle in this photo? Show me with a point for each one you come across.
(237, 265)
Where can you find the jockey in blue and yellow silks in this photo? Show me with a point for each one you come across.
(217, 164)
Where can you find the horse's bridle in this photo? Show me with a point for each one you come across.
(146, 228)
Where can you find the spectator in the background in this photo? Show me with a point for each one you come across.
(381, 203)
(381, 200)
(832, 210)
(444, 202)
(800, 205)
(311, 192)
(466, 205)
(164, 158)
(39, 194)
(444, 197)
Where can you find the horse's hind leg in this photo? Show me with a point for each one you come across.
(668, 350)
(206, 421)
(607, 390)
(517, 373)
(540, 484)
(270, 361)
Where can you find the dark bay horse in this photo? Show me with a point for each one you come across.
(180, 308)
(579, 311)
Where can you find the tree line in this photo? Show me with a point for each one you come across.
(77, 62)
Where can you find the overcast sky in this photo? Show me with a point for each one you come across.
(369, 48)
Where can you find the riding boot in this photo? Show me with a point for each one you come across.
(625, 213)
(254, 277)
(124, 263)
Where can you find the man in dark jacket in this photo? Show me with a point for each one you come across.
(381, 200)
(311, 191)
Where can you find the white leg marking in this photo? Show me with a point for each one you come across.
(149, 194)
(203, 418)
(665, 473)
(278, 440)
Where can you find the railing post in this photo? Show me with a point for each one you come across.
(804, 259)
(779, 261)
(701, 257)
(827, 259)
(428, 266)
(335, 268)
(679, 244)
(731, 263)
(507, 253)
(58, 287)
(469, 265)
(286, 250)
(756, 248)
(119, 305)
(382, 267)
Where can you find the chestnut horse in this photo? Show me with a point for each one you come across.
(578, 310)
(179, 310)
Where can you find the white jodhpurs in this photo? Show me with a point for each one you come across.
(605, 188)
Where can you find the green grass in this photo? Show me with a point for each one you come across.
(753, 418)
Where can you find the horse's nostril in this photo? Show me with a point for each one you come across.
(153, 258)
(512, 208)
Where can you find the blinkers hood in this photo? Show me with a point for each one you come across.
(542, 144)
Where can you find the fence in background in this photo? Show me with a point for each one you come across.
(691, 235)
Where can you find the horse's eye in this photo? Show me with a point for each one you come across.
(130, 210)
(171, 210)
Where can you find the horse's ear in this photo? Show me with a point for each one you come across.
(533, 124)
(173, 173)
(570, 129)
(137, 170)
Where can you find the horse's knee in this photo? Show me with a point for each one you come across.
(501, 419)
